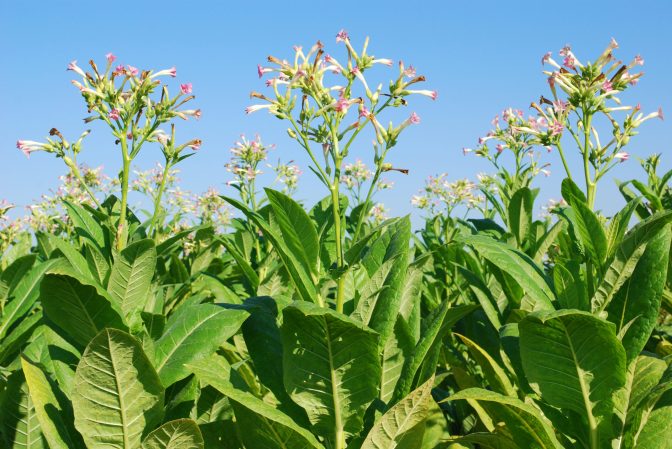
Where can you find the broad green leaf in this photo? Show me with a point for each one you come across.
(484, 297)
(589, 230)
(634, 401)
(572, 193)
(543, 244)
(302, 279)
(19, 426)
(72, 254)
(87, 311)
(298, 231)
(117, 394)
(435, 325)
(570, 287)
(23, 296)
(493, 373)
(85, 225)
(626, 257)
(573, 360)
(193, 332)
(332, 367)
(403, 425)
(655, 433)
(11, 276)
(20, 334)
(637, 302)
(386, 264)
(242, 262)
(525, 425)
(53, 413)
(486, 440)
(177, 434)
(398, 349)
(131, 277)
(520, 214)
(519, 267)
(619, 225)
(262, 426)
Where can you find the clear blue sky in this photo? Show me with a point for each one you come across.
(480, 56)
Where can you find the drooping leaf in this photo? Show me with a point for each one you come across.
(117, 394)
(403, 425)
(573, 360)
(493, 373)
(193, 332)
(177, 434)
(519, 267)
(19, 425)
(88, 312)
(525, 425)
(262, 425)
(53, 412)
(520, 214)
(332, 367)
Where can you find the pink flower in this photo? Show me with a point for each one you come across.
(131, 71)
(566, 51)
(466, 151)
(556, 128)
(129, 135)
(607, 86)
(75, 68)
(414, 119)
(622, 156)
(110, 58)
(28, 146)
(185, 88)
(500, 148)
(342, 105)
(546, 57)
(119, 70)
(546, 172)
(261, 70)
(409, 72)
(256, 107)
(660, 113)
(363, 112)
(613, 44)
(639, 60)
(384, 61)
(114, 114)
(427, 93)
(560, 106)
(342, 36)
(569, 62)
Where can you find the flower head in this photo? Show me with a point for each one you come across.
(185, 88)
(110, 58)
(342, 36)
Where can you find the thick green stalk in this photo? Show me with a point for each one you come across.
(590, 185)
(564, 161)
(121, 230)
(157, 201)
(340, 293)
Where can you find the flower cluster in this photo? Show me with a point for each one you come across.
(287, 174)
(212, 209)
(149, 182)
(440, 196)
(316, 108)
(378, 213)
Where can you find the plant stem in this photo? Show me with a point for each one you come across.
(340, 293)
(157, 201)
(564, 161)
(590, 185)
(78, 175)
(121, 230)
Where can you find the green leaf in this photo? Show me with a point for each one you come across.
(193, 332)
(19, 425)
(298, 230)
(53, 412)
(302, 279)
(117, 394)
(619, 225)
(486, 440)
(131, 277)
(520, 214)
(573, 360)
(87, 311)
(85, 225)
(262, 425)
(543, 244)
(386, 264)
(640, 296)
(572, 193)
(23, 296)
(519, 267)
(11, 276)
(435, 325)
(398, 349)
(177, 434)
(626, 257)
(525, 425)
(588, 228)
(403, 425)
(493, 373)
(242, 262)
(332, 367)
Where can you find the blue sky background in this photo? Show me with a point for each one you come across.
(480, 56)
